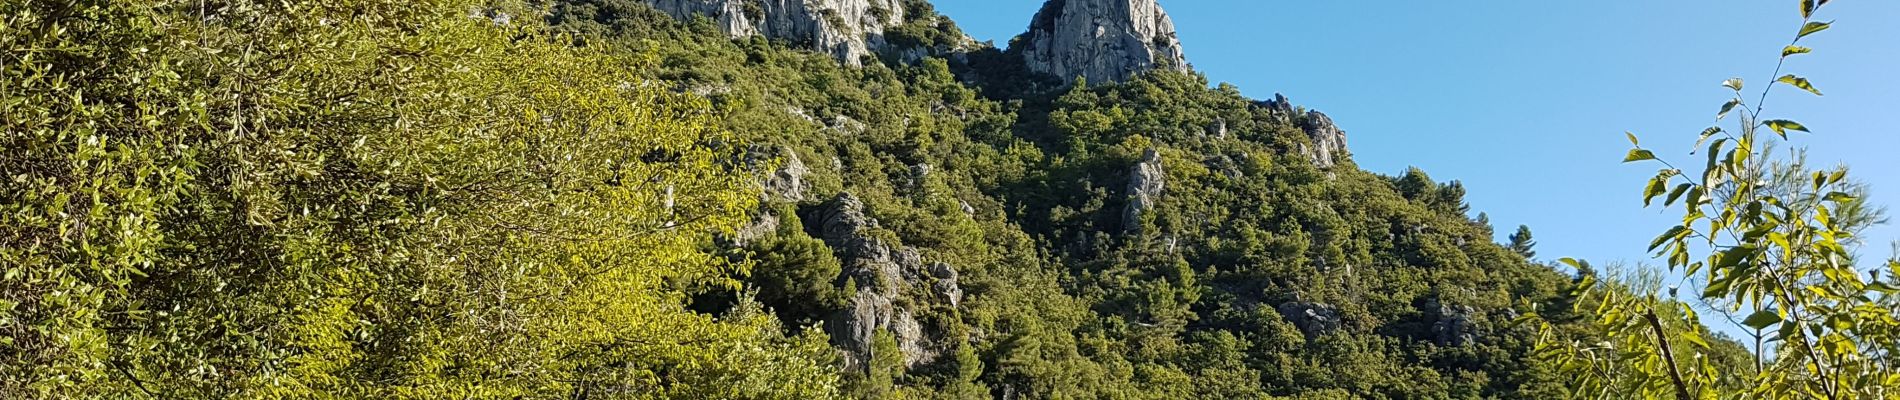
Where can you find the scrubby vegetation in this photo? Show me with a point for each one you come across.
(453, 199)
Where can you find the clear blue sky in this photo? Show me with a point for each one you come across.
(1527, 101)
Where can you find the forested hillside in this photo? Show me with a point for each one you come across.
(1033, 238)
(605, 199)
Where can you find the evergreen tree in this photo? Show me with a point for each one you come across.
(1522, 243)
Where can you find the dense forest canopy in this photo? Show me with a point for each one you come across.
(609, 199)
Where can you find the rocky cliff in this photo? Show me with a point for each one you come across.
(848, 29)
(1328, 141)
(893, 283)
(1101, 40)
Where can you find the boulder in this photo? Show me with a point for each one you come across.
(1313, 319)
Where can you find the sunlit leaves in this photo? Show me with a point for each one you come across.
(1657, 186)
(1762, 319)
(1778, 241)
(1726, 108)
(1799, 82)
(1782, 126)
(1813, 28)
(1675, 233)
(1639, 155)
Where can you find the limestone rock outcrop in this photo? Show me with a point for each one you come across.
(1145, 184)
(1313, 319)
(847, 29)
(893, 282)
(1455, 325)
(1329, 143)
(1328, 146)
(787, 182)
(1103, 41)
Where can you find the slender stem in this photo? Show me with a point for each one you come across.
(1669, 356)
(1795, 316)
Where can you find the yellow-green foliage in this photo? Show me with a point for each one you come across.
(359, 199)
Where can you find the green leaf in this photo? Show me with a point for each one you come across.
(1807, 9)
(1677, 193)
(1727, 107)
(1840, 197)
(1693, 338)
(1719, 287)
(1800, 82)
(1632, 137)
(1733, 84)
(1694, 199)
(1735, 256)
(1782, 126)
(1813, 28)
(1762, 319)
(1572, 262)
(1672, 234)
(1584, 285)
(1656, 188)
(1639, 155)
(1793, 50)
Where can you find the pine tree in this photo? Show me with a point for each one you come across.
(1522, 243)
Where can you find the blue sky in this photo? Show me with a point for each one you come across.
(1527, 101)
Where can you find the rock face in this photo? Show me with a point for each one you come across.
(788, 181)
(1329, 143)
(1313, 319)
(1328, 146)
(1101, 40)
(1454, 326)
(885, 274)
(847, 29)
(1145, 184)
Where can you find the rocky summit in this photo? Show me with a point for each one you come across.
(1103, 41)
(847, 29)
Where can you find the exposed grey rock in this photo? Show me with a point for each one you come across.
(967, 209)
(1329, 143)
(1102, 40)
(788, 181)
(946, 283)
(847, 29)
(762, 226)
(1218, 129)
(1145, 184)
(1313, 319)
(845, 124)
(885, 272)
(1328, 146)
(1279, 105)
(1454, 326)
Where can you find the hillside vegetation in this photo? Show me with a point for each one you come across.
(593, 199)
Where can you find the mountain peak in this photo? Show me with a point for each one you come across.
(1101, 40)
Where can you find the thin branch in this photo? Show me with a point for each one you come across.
(1669, 356)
